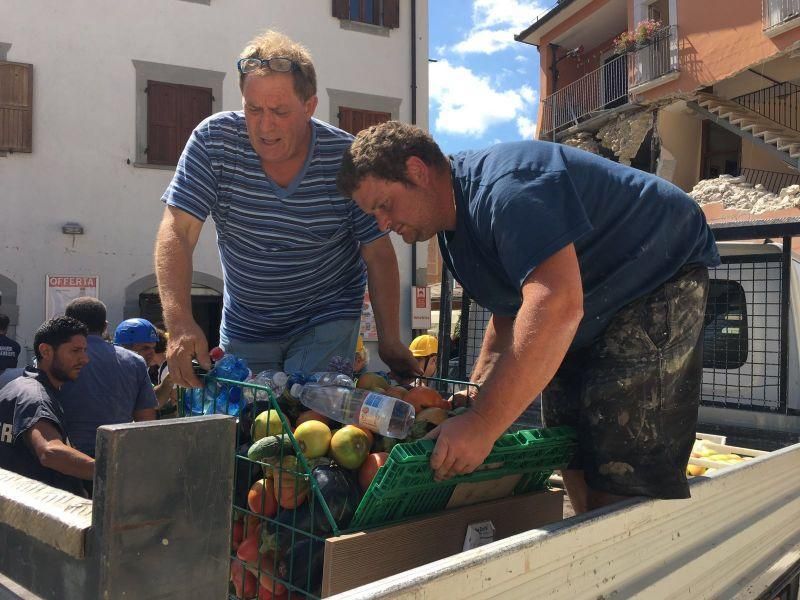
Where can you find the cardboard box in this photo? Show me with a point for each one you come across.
(359, 558)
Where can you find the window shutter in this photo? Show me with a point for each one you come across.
(16, 107)
(346, 119)
(391, 13)
(341, 9)
(354, 120)
(162, 123)
(194, 105)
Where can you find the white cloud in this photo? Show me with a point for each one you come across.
(468, 104)
(496, 21)
(526, 127)
(440, 50)
(521, 58)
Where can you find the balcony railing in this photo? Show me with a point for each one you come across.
(607, 87)
(774, 181)
(777, 12)
(779, 103)
(656, 57)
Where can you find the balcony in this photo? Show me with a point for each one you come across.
(780, 16)
(611, 85)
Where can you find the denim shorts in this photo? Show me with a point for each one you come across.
(633, 394)
(308, 351)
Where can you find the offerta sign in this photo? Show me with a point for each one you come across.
(62, 289)
(420, 307)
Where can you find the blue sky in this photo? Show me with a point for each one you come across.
(484, 87)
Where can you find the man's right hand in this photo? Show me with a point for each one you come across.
(185, 343)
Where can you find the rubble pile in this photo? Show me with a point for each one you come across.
(736, 193)
(625, 134)
(583, 140)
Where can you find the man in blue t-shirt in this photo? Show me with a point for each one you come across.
(596, 276)
(293, 249)
(113, 388)
(33, 433)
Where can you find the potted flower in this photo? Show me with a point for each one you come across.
(646, 31)
(624, 42)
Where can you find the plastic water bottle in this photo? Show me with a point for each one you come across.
(227, 397)
(332, 378)
(386, 415)
(272, 379)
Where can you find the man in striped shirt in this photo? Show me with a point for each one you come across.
(293, 249)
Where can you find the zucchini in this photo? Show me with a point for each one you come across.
(269, 448)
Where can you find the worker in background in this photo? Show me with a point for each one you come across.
(360, 359)
(113, 388)
(425, 348)
(33, 434)
(139, 336)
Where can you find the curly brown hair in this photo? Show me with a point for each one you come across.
(382, 151)
(273, 44)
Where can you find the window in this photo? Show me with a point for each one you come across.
(725, 326)
(16, 107)
(166, 117)
(354, 120)
(384, 13)
(173, 111)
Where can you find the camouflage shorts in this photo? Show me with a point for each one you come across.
(633, 395)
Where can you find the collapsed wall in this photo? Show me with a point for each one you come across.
(736, 193)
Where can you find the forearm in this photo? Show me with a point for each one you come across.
(541, 336)
(58, 456)
(163, 392)
(173, 262)
(496, 341)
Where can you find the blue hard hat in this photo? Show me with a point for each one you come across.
(135, 331)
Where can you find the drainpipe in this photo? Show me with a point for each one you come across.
(414, 278)
(554, 79)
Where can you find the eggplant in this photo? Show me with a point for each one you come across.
(304, 563)
(341, 493)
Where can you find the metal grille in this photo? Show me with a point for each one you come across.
(776, 12)
(743, 344)
(774, 181)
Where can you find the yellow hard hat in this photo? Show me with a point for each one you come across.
(424, 345)
(360, 344)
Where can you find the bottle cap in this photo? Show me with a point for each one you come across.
(280, 378)
(216, 353)
(296, 389)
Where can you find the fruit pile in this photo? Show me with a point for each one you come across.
(707, 457)
(279, 521)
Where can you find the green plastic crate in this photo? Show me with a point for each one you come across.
(404, 487)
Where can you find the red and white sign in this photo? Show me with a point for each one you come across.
(369, 332)
(62, 289)
(420, 307)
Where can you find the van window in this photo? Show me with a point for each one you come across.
(725, 326)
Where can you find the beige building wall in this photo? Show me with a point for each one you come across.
(681, 140)
(756, 157)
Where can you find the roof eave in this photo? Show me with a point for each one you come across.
(525, 35)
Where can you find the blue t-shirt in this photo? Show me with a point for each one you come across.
(107, 391)
(518, 204)
(290, 256)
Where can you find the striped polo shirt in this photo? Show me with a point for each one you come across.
(290, 256)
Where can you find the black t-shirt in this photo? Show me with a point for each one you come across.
(24, 402)
(9, 352)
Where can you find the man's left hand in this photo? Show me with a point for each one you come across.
(399, 359)
(462, 444)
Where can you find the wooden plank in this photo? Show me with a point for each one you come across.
(397, 548)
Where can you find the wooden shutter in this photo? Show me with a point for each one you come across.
(162, 123)
(173, 111)
(194, 105)
(341, 9)
(354, 120)
(16, 107)
(391, 13)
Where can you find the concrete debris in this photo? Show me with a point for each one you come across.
(583, 140)
(736, 193)
(625, 134)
